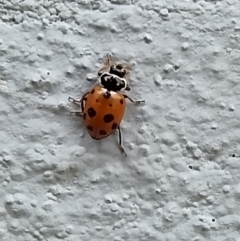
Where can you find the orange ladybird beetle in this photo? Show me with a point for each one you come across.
(103, 107)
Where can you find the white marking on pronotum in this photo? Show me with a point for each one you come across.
(111, 92)
(112, 75)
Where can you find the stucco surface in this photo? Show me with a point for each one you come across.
(181, 179)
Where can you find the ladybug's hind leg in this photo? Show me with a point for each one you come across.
(120, 141)
(134, 101)
(108, 62)
(76, 112)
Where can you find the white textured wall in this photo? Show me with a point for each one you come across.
(180, 181)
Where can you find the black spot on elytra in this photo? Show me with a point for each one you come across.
(114, 126)
(92, 92)
(97, 100)
(107, 94)
(84, 116)
(121, 101)
(110, 105)
(108, 118)
(91, 112)
(90, 128)
(102, 132)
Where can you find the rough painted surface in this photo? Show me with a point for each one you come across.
(181, 179)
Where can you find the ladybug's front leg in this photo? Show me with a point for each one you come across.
(134, 101)
(106, 65)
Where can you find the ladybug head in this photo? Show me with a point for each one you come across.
(113, 83)
(118, 69)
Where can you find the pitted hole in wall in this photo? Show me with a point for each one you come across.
(175, 68)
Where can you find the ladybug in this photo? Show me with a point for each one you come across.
(103, 106)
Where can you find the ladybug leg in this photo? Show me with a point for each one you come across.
(74, 101)
(76, 112)
(134, 101)
(78, 101)
(109, 60)
(120, 141)
(106, 65)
